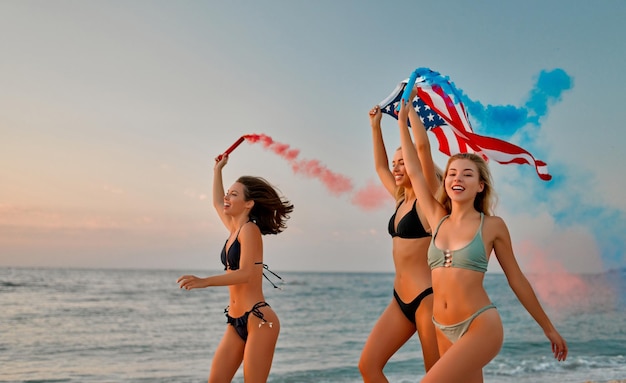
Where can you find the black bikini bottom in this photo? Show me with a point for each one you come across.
(409, 309)
(241, 324)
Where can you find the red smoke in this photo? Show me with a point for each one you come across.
(552, 282)
(276, 147)
(371, 197)
(368, 198)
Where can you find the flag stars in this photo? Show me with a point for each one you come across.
(447, 119)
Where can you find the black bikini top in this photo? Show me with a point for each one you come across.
(231, 258)
(409, 226)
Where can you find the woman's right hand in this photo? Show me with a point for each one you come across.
(189, 282)
(375, 116)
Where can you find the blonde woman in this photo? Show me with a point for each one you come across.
(410, 309)
(465, 233)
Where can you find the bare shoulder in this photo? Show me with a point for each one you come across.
(495, 227)
(494, 220)
(250, 229)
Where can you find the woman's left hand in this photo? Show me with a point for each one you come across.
(403, 113)
(559, 346)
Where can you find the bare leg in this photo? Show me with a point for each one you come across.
(443, 342)
(390, 332)
(227, 358)
(259, 352)
(426, 332)
(463, 361)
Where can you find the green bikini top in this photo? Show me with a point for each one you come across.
(471, 257)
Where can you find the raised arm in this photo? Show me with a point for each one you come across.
(429, 205)
(422, 144)
(522, 288)
(381, 162)
(218, 190)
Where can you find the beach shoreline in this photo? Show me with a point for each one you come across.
(605, 381)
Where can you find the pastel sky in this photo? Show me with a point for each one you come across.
(111, 113)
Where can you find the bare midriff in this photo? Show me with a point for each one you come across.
(411, 266)
(458, 293)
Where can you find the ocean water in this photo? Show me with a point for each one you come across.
(96, 326)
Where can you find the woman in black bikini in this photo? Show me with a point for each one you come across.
(410, 310)
(250, 209)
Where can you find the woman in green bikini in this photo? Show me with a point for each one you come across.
(465, 233)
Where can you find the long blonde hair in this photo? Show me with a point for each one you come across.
(484, 201)
(399, 191)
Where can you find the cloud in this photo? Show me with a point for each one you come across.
(113, 189)
(36, 236)
(193, 194)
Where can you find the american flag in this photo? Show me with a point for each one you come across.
(440, 108)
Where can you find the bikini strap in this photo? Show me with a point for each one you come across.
(257, 313)
(240, 227)
(273, 273)
(398, 204)
(264, 265)
(439, 225)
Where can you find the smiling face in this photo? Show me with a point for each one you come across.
(235, 200)
(467, 178)
(463, 180)
(398, 170)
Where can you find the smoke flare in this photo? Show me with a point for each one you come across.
(368, 198)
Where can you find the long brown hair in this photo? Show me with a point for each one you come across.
(270, 211)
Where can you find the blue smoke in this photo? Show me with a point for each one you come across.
(503, 121)
(607, 224)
